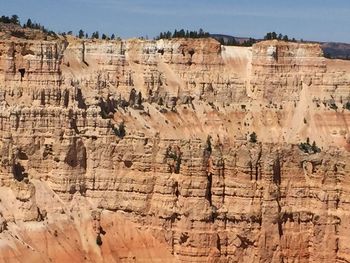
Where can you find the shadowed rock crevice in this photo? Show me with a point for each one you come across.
(22, 71)
(76, 155)
(277, 172)
(209, 189)
(18, 172)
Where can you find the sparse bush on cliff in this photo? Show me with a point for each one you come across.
(174, 153)
(333, 106)
(99, 240)
(347, 105)
(306, 147)
(120, 130)
(253, 138)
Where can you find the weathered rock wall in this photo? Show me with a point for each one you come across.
(158, 131)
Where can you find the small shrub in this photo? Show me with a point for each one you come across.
(120, 131)
(347, 105)
(103, 114)
(99, 240)
(175, 155)
(306, 147)
(314, 148)
(333, 106)
(253, 138)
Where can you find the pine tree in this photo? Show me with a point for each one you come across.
(29, 23)
(95, 35)
(81, 33)
(268, 36)
(14, 19)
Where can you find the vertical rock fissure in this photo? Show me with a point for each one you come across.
(83, 54)
(208, 165)
(41, 57)
(22, 71)
(223, 182)
(277, 182)
(209, 193)
(277, 172)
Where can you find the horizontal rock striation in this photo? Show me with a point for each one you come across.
(157, 135)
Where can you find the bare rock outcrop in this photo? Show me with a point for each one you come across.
(97, 137)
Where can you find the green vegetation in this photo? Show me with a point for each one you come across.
(306, 147)
(95, 35)
(274, 35)
(34, 25)
(333, 106)
(14, 19)
(175, 155)
(120, 131)
(347, 105)
(233, 42)
(81, 34)
(99, 240)
(183, 34)
(253, 138)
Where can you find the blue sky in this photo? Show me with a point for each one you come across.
(322, 20)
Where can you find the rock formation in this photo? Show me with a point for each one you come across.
(140, 151)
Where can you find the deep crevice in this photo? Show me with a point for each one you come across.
(18, 172)
(277, 172)
(22, 71)
(210, 182)
(176, 189)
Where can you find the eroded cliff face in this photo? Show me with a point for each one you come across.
(144, 145)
